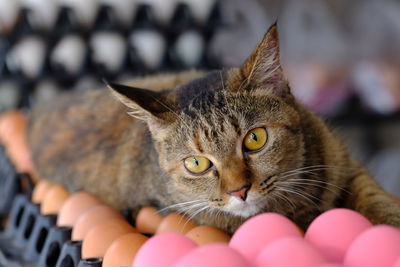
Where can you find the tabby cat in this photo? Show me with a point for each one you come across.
(220, 147)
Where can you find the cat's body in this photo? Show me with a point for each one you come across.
(87, 141)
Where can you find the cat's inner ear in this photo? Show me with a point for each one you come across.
(144, 103)
(263, 67)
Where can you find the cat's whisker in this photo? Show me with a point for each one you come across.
(311, 180)
(191, 214)
(191, 207)
(318, 167)
(311, 172)
(182, 204)
(286, 199)
(320, 182)
(222, 80)
(197, 212)
(309, 183)
(301, 194)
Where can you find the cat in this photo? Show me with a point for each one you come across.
(220, 147)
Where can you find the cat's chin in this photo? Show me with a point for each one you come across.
(250, 207)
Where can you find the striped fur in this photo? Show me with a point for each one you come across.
(87, 141)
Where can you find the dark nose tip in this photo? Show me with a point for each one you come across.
(240, 193)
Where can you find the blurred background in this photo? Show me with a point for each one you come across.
(342, 57)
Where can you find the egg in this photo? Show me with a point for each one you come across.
(176, 223)
(40, 191)
(163, 250)
(108, 50)
(397, 263)
(85, 11)
(150, 47)
(92, 217)
(147, 220)
(100, 237)
(205, 234)
(200, 9)
(43, 12)
(61, 53)
(331, 265)
(163, 10)
(190, 47)
(8, 14)
(53, 200)
(259, 231)
(10, 93)
(124, 9)
(290, 251)
(123, 250)
(27, 55)
(377, 246)
(333, 231)
(215, 255)
(45, 91)
(75, 206)
(12, 135)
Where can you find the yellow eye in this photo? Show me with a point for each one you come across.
(197, 164)
(255, 139)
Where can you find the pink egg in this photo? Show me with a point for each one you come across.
(377, 246)
(256, 233)
(333, 232)
(290, 251)
(397, 263)
(331, 265)
(163, 250)
(215, 255)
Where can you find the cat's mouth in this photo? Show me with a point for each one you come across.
(253, 205)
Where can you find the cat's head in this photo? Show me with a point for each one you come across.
(225, 137)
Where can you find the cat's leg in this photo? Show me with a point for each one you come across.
(373, 202)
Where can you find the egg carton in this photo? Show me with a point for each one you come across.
(37, 60)
(33, 239)
(11, 184)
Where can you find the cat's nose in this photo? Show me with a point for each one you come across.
(240, 193)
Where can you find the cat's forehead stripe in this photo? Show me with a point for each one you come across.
(199, 94)
(197, 143)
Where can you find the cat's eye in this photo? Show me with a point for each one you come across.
(255, 139)
(197, 164)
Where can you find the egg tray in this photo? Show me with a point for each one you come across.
(32, 239)
(132, 65)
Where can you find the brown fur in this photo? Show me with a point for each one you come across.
(87, 141)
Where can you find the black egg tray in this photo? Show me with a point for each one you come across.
(30, 238)
(106, 20)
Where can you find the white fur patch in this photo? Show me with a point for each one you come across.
(247, 208)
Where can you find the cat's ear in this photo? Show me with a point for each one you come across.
(144, 104)
(263, 67)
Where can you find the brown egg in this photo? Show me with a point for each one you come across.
(177, 223)
(75, 206)
(205, 234)
(40, 191)
(12, 135)
(91, 218)
(100, 237)
(53, 200)
(147, 220)
(123, 250)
